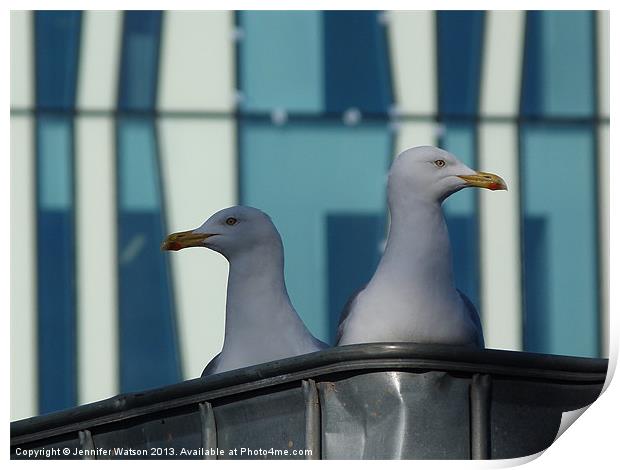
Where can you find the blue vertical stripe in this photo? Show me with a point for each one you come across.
(558, 72)
(56, 264)
(148, 350)
(57, 35)
(461, 210)
(357, 71)
(139, 61)
(57, 39)
(559, 210)
(459, 44)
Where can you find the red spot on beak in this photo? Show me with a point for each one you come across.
(174, 246)
(494, 186)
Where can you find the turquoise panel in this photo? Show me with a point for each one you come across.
(560, 250)
(301, 173)
(558, 73)
(139, 185)
(281, 60)
(55, 152)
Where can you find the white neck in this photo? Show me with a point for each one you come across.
(417, 229)
(257, 299)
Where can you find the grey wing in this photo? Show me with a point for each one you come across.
(211, 366)
(475, 318)
(346, 311)
(319, 345)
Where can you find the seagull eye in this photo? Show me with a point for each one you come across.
(231, 221)
(440, 163)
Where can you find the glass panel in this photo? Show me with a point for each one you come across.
(356, 62)
(148, 350)
(558, 74)
(461, 213)
(57, 39)
(55, 265)
(140, 60)
(280, 60)
(560, 252)
(302, 173)
(354, 248)
(459, 43)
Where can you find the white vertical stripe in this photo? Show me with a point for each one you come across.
(413, 134)
(23, 283)
(21, 60)
(197, 61)
(500, 239)
(199, 175)
(99, 59)
(501, 68)
(602, 23)
(97, 316)
(413, 50)
(603, 207)
(500, 233)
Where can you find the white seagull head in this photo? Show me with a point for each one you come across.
(231, 231)
(433, 174)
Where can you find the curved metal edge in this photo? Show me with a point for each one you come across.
(346, 367)
(408, 355)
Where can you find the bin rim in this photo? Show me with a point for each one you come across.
(342, 359)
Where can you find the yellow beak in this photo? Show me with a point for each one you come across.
(178, 241)
(484, 180)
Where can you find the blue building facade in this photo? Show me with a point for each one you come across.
(126, 126)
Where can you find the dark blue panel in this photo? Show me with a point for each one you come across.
(459, 42)
(55, 266)
(57, 38)
(139, 61)
(353, 252)
(356, 62)
(537, 324)
(56, 303)
(464, 241)
(148, 350)
(531, 92)
(559, 64)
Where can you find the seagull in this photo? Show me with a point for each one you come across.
(412, 297)
(261, 323)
